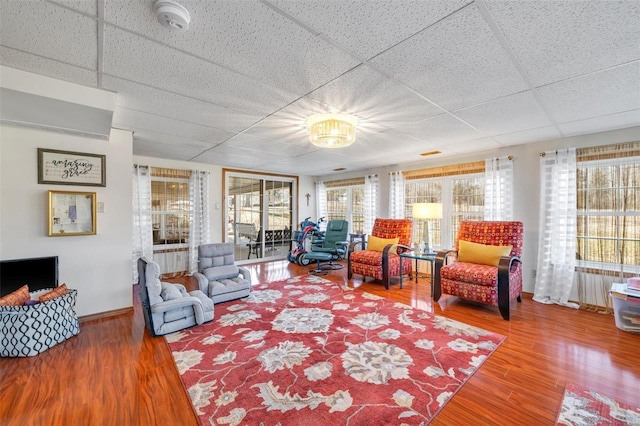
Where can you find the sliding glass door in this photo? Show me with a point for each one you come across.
(260, 214)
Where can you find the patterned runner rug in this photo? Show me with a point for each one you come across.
(584, 407)
(307, 351)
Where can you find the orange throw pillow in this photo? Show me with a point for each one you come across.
(56, 292)
(16, 298)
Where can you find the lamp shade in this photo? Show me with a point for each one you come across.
(427, 210)
(332, 130)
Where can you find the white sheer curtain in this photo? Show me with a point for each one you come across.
(498, 189)
(371, 188)
(558, 218)
(321, 197)
(142, 234)
(396, 195)
(199, 224)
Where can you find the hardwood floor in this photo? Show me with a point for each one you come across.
(114, 373)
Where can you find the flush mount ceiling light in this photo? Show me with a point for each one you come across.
(172, 15)
(332, 130)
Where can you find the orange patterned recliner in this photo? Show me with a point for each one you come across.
(385, 264)
(484, 283)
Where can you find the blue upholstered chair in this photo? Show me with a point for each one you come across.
(167, 307)
(218, 275)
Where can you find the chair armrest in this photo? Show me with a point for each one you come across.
(441, 259)
(506, 263)
(355, 244)
(180, 287)
(245, 273)
(203, 282)
(443, 255)
(170, 305)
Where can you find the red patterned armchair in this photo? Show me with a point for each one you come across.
(487, 268)
(380, 258)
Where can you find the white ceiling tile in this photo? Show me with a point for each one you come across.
(559, 39)
(236, 159)
(162, 150)
(181, 73)
(48, 67)
(365, 92)
(169, 139)
(600, 124)
(70, 37)
(126, 119)
(144, 98)
(441, 130)
(456, 63)
(602, 93)
(368, 27)
(481, 144)
(506, 115)
(269, 40)
(258, 144)
(528, 136)
(263, 155)
(84, 6)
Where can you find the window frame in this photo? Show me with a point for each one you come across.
(349, 204)
(447, 231)
(164, 213)
(583, 215)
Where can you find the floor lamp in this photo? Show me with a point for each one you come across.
(427, 211)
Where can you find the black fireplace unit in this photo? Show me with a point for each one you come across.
(37, 272)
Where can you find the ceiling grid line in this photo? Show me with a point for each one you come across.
(497, 32)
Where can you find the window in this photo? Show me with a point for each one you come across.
(460, 189)
(260, 214)
(347, 203)
(462, 198)
(608, 204)
(346, 200)
(170, 206)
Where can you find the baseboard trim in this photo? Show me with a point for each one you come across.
(106, 314)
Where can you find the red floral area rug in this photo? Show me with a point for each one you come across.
(307, 351)
(584, 407)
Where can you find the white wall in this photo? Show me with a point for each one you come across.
(98, 266)
(526, 183)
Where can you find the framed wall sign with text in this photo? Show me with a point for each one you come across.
(71, 168)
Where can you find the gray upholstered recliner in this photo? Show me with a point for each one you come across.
(167, 307)
(218, 276)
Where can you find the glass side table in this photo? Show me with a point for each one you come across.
(428, 257)
(358, 237)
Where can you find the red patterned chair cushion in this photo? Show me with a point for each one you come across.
(369, 263)
(480, 292)
(471, 272)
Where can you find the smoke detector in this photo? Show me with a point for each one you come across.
(172, 15)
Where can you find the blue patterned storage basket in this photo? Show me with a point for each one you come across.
(30, 330)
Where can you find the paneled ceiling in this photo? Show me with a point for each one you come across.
(455, 76)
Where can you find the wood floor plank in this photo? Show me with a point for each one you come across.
(114, 372)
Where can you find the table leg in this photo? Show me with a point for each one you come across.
(416, 271)
(433, 271)
(400, 272)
